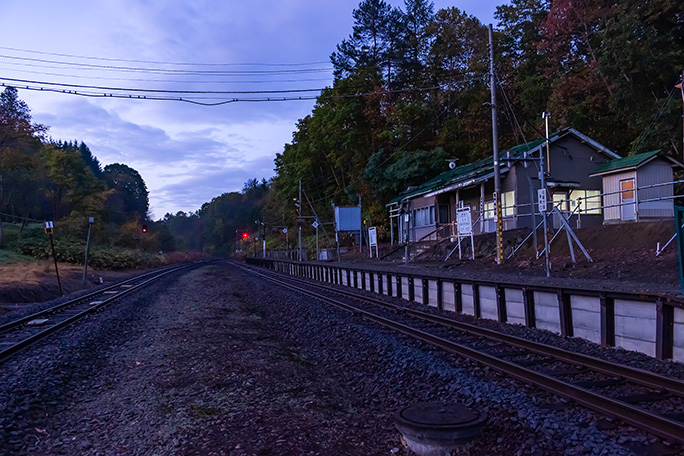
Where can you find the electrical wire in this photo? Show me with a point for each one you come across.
(167, 81)
(89, 66)
(654, 120)
(118, 89)
(194, 99)
(105, 59)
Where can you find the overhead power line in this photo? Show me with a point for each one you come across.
(90, 66)
(168, 81)
(165, 95)
(118, 89)
(157, 62)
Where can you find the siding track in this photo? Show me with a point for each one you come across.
(23, 332)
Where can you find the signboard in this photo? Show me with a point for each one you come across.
(464, 222)
(373, 241)
(541, 199)
(285, 230)
(315, 224)
(49, 226)
(348, 218)
(464, 229)
(372, 236)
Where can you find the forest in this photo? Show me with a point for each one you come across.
(410, 92)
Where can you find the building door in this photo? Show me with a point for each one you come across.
(627, 200)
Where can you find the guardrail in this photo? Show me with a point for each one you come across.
(650, 323)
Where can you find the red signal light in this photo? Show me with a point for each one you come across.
(144, 228)
(245, 235)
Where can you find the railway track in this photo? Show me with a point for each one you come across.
(23, 332)
(640, 398)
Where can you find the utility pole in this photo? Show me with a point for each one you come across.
(681, 87)
(361, 233)
(299, 221)
(542, 179)
(49, 227)
(495, 147)
(91, 220)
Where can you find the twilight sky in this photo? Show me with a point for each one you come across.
(186, 153)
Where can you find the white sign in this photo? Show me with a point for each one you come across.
(372, 236)
(464, 222)
(373, 242)
(315, 224)
(285, 230)
(541, 199)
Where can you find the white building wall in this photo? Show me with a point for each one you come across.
(655, 172)
(611, 185)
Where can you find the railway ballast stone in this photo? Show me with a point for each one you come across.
(217, 362)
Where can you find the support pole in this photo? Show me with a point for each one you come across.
(299, 223)
(542, 178)
(681, 87)
(495, 147)
(91, 220)
(59, 282)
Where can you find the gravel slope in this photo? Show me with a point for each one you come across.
(215, 362)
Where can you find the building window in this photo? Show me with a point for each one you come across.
(508, 204)
(560, 200)
(425, 216)
(590, 202)
(489, 210)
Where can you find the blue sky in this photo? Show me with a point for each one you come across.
(187, 154)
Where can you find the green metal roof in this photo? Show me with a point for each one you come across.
(631, 162)
(472, 171)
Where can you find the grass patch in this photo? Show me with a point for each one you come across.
(203, 411)
(8, 257)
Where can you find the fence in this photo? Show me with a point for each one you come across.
(649, 323)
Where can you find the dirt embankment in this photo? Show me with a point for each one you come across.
(621, 255)
(37, 281)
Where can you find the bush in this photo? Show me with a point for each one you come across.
(72, 251)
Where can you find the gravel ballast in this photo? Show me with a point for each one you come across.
(217, 362)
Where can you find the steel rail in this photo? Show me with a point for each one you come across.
(6, 353)
(20, 321)
(648, 421)
(639, 376)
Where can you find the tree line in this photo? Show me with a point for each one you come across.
(42, 179)
(410, 92)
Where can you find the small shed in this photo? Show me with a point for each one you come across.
(638, 187)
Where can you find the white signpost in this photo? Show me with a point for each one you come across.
(373, 241)
(464, 228)
(541, 200)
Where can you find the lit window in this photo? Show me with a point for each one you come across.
(589, 201)
(508, 204)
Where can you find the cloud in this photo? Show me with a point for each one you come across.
(186, 154)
